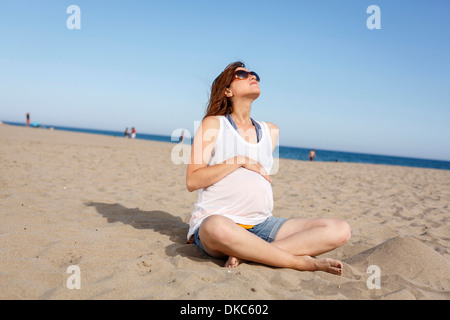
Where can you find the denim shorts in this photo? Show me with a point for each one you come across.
(266, 230)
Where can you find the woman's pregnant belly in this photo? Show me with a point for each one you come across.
(243, 193)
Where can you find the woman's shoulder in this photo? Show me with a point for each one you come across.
(274, 131)
(272, 126)
(209, 127)
(211, 122)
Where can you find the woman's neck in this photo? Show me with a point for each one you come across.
(241, 112)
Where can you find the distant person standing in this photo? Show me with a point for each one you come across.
(28, 119)
(312, 155)
(181, 137)
(126, 134)
(133, 133)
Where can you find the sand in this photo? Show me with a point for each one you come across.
(118, 209)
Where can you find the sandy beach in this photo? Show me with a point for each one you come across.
(119, 210)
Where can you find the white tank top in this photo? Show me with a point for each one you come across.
(244, 196)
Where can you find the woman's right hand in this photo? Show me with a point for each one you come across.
(252, 165)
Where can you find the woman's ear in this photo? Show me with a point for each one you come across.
(228, 93)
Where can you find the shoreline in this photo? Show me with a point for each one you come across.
(443, 163)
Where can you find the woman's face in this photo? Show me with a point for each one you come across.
(245, 88)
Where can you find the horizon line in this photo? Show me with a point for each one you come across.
(46, 126)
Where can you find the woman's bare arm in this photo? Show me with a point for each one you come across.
(198, 174)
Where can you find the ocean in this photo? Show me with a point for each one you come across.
(291, 152)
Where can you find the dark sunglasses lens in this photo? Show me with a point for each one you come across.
(256, 75)
(241, 74)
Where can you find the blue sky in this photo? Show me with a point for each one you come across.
(327, 81)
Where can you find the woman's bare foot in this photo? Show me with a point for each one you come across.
(307, 264)
(233, 262)
(328, 265)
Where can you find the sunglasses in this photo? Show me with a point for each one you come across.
(242, 74)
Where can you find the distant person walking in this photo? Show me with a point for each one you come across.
(28, 119)
(133, 133)
(312, 155)
(126, 134)
(181, 137)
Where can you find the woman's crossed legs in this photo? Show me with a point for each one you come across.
(295, 243)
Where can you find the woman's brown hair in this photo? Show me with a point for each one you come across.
(219, 104)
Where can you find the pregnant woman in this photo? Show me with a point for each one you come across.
(231, 160)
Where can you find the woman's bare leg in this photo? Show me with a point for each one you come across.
(312, 236)
(307, 237)
(221, 237)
